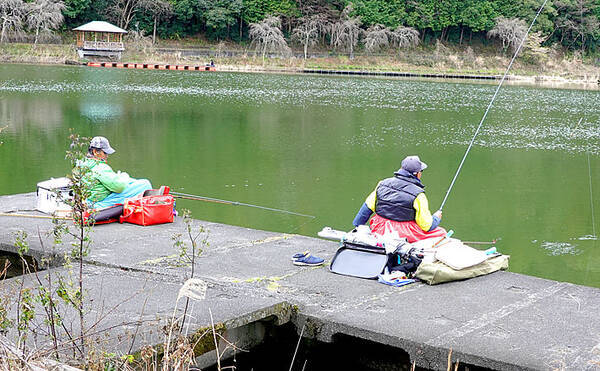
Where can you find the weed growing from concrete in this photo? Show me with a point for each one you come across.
(69, 290)
(198, 241)
(54, 297)
(28, 299)
(198, 237)
(180, 351)
(5, 322)
(80, 186)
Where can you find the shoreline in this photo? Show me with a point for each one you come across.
(546, 81)
(370, 67)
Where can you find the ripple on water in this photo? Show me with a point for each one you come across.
(448, 113)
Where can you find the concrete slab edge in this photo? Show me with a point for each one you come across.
(427, 356)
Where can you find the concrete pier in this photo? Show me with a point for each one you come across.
(503, 321)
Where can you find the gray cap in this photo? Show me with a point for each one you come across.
(102, 143)
(413, 164)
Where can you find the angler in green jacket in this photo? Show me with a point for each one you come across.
(106, 186)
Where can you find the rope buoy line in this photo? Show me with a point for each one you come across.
(151, 66)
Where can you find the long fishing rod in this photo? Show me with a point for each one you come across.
(16, 215)
(235, 203)
(491, 103)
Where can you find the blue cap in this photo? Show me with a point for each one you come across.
(413, 164)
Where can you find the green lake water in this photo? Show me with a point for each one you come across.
(319, 145)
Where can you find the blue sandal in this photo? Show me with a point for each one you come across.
(309, 260)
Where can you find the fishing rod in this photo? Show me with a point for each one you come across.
(493, 242)
(235, 203)
(34, 216)
(491, 103)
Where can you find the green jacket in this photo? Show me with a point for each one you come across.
(103, 180)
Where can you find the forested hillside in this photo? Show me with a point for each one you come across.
(327, 24)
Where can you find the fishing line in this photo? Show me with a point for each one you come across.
(301, 225)
(595, 238)
(491, 103)
(236, 203)
(590, 180)
(591, 197)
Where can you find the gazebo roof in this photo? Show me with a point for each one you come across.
(100, 26)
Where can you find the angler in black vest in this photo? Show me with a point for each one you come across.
(400, 204)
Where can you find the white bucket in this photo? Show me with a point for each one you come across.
(52, 196)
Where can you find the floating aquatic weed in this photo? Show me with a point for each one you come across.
(587, 237)
(540, 124)
(560, 248)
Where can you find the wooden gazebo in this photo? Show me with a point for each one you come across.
(99, 38)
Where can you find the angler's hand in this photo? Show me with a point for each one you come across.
(438, 214)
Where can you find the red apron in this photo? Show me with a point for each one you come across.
(410, 230)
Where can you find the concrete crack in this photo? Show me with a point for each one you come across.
(491, 317)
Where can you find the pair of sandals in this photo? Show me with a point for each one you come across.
(306, 259)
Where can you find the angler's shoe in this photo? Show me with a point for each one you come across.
(309, 260)
(300, 255)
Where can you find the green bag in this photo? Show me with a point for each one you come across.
(438, 272)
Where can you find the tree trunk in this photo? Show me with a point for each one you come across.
(37, 33)
(3, 28)
(305, 49)
(240, 27)
(351, 47)
(154, 31)
(462, 30)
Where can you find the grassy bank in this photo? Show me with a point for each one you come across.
(30, 53)
(553, 66)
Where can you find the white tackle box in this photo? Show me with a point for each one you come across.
(53, 194)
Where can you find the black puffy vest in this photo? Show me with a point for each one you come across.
(396, 195)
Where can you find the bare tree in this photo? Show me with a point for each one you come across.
(307, 33)
(510, 31)
(11, 16)
(267, 36)
(405, 37)
(346, 32)
(43, 16)
(377, 37)
(160, 10)
(122, 12)
(325, 11)
(137, 41)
